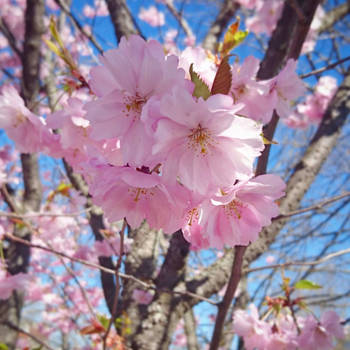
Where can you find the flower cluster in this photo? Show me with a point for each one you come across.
(151, 148)
(282, 332)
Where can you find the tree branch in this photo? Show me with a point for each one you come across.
(122, 19)
(228, 297)
(227, 11)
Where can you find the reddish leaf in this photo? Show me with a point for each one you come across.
(223, 78)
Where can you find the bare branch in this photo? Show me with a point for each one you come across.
(122, 19)
(317, 206)
(323, 69)
(227, 11)
(182, 21)
(300, 263)
(107, 270)
(4, 29)
(69, 13)
(335, 15)
(32, 336)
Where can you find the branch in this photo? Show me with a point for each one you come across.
(155, 330)
(291, 31)
(124, 276)
(317, 206)
(69, 13)
(228, 297)
(190, 330)
(117, 288)
(182, 21)
(227, 11)
(323, 69)
(18, 254)
(300, 263)
(32, 336)
(96, 223)
(335, 15)
(122, 19)
(4, 29)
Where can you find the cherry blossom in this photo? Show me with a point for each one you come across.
(152, 16)
(237, 215)
(204, 141)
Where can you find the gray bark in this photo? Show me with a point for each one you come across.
(18, 255)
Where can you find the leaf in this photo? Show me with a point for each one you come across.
(223, 78)
(55, 49)
(54, 32)
(233, 37)
(93, 328)
(305, 284)
(268, 142)
(3, 346)
(104, 321)
(201, 89)
(63, 189)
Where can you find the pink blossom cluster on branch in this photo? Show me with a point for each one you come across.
(150, 149)
(281, 333)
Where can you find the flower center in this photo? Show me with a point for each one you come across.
(200, 139)
(192, 216)
(133, 105)
(234, 208)
(139, 192)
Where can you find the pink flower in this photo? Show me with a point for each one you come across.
(152, 16)
(204, 143)
(258, 103)
(255, 332)
(314, 107)
(142, 297)
(10, 283)
(286, 87)
(190, 40)
(19, 122)
(135, 195)
(124, 84)
(237, 216)
(202, 64)
(319, 335)
(267, 13)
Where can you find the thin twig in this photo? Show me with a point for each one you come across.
(313, 207)
(4, 29)
(300, 263)
(182, 21)
(34, 215)
(36, 339)
(323, 69)
(69, 13)
(107, 270)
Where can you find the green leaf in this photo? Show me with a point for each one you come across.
(233, 37)
(223, 78)
(305, 284)
(38, 348)
(103, 320)
(268, 142)
(54, 32)
(201, 89)
(3, 346)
